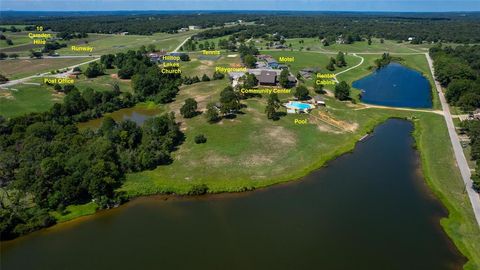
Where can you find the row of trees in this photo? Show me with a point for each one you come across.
(458, 69)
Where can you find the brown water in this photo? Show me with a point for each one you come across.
(138, 114)
(365, 211)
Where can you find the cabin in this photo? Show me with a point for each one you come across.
(194, 27)
(318, 100)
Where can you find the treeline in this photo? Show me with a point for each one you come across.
(133, 24)
(458, 70)
(351, 28)
(47, 163)
(449, 27)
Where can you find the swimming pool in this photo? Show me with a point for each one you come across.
(298, 107)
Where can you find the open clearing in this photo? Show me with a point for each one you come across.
(19, 68)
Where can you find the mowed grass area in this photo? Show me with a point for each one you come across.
(314, 44)
(35, 96)
(18, 38)
(120, 43)
(311, 60)
(19, 68)
(26, 98)
(198, 67)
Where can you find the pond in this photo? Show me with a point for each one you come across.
(139, 114)
(367, 210)
(397, 86)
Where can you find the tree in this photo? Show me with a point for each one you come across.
(331, 64)
(189, 109)
(107, 60)
(151, 47)
(199, 139)
(318, 88)
(273, 103)
(93, 70)
(116, 89)
(249, 81)
(3, 55)
(283, 80)
(229, 100)
(3, 79)
(35, 54)
(218, 75)
(13, 55)
(212, 113)
(340, 60)
(184, 57)
(382, 41)
(301, 93)
(250, 60)
(342, 91)
(9, 42)
(205, 78)
(369, 40)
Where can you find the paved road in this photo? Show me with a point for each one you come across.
(348, 69)
(14, 82)
(457, 149)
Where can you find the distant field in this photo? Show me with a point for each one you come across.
(119, 43)
(19, 68)
(314, 44)
(18, 38)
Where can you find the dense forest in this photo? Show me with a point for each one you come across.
(458, 69)
(47, 163)
(451, 27)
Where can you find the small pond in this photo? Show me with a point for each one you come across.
(396, 86)
(138, 114)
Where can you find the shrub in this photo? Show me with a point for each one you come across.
(200, 139)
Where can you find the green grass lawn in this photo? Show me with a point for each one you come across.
(18, 38)
(26, 98)
(197, 67)
(75, 211)
(311, 59)
(20, 68)
(23, 98)
(119, 43)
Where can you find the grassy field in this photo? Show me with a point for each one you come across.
(311, 59)
(37, 97)
(119, 43)
(26, 98)
(19, 68)
(197, 67)
(18, 38)
(314, 44)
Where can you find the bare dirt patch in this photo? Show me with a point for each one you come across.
(6, 95)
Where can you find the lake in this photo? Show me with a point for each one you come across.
(397, 86)
(139, 114)
(366, 210)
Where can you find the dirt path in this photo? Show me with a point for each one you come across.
(367, 106)
(348, 69)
